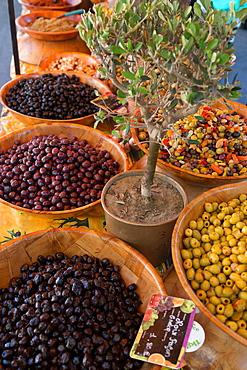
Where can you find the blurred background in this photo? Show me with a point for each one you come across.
(240, 44)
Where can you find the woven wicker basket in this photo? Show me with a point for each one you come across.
(134, 268)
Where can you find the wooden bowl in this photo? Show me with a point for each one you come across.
(35, 5)
(191, 212)
(134, 268)
(85, 59)
(26, 220)
(23, 20)
(192, 177)
(28, 120)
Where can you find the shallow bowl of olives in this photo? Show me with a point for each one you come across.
(25, 24)
(210, 259)
(207, 156)
(41, 5)
(52, 175)
(81, 296)
(53, 96)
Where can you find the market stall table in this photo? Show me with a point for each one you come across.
(219, 352)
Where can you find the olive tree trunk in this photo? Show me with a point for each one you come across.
(147, 179)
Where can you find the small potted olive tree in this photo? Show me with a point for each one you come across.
(166, 60)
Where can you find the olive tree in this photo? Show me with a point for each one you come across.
(171, 60)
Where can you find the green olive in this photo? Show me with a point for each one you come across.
(222, 318)
(214, 269)
(215, 300)
(239, 305)
(214, 281)
(242, 332)
(222, 278)
(190, 273)
(187, 263)
(204, 261)
(186, 254)
(205, 285)
(196, 263)
(241, 324)
(201, 294)
(227, 292)
(218, 290)
(211, 308)
(232, 325)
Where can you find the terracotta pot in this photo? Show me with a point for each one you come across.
(134, 268)
(152, 240)
(20, 221)
(191, 212)
(189, 176)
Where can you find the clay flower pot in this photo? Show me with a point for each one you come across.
(151, 239)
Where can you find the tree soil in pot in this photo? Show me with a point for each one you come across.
(145, 225)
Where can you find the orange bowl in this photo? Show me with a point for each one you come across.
(29, 120)
(27, 220)
(193, 211)
(192, 177)
(89, 64)
(23, 21)
(36, 5)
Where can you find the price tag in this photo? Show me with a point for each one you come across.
(164, 332)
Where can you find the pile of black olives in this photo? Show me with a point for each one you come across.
(68, 313)
(49, 173)
(52, 97)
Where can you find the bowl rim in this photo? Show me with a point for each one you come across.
(74, 210)
(191, 174)
(68, 53)
(37, 74)
(26, 4)
(177, 259)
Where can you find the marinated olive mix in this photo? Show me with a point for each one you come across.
(49, 173)
(215, 260)
(68, 313)
(211, 142)
(53, 97)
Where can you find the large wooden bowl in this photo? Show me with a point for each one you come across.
(192, 177)
(23, 20)
(26, 220)
(191, 212)
(29, 120)
(134, 268)
(35, 5)
(85, 59)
